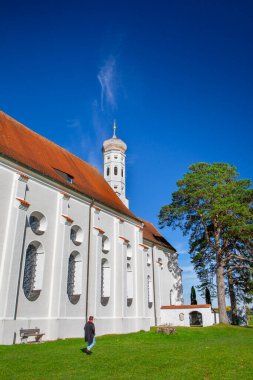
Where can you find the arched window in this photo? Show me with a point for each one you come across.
(129, 252)
(33, 271)
(150, 292)
(74, 285)
(108, 171)
(130, 287)
(122, 172)
(171, 297)
(105, 282)
(148, 260)
(115, 170)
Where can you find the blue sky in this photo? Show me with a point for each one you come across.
(176, 75)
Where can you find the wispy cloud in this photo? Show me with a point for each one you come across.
(86, 141)
(107, 80)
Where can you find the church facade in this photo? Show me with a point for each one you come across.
(70, 247)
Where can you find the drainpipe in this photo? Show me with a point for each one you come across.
(19, 278)
(153, 265)
(88, 259)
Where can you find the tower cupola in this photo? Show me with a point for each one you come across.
(114, 152)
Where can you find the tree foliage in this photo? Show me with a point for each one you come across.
(214, 208)
(193, 296)
(208, 296)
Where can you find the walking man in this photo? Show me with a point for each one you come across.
(89, 335)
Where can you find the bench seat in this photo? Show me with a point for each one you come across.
(26, 333)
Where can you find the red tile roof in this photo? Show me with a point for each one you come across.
(152, 234)
(201, 306)
(35, 152)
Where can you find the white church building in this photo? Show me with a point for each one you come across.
(70, 247)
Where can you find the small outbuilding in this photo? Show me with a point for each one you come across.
(189, 315)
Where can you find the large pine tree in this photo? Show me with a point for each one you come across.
(213, 207)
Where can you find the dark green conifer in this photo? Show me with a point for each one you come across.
(208, 297)
(193, 296)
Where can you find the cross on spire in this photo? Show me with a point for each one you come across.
(114, 129)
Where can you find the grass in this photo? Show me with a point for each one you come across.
(218, 352)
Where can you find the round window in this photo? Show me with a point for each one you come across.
(38, 223)
(76, 235)
(105, 244)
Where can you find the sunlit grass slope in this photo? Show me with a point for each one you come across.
(192, 353)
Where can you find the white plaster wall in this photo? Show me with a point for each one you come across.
(6, 184)
(166, 280)
(167, 277)
(116, 315)
(7, 187)
(148, 271)
(44, 200)
(171, 316)
(53, 312)
(105, 222)
(71, 315)
(13, 240)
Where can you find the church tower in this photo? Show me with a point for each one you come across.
(114, 151)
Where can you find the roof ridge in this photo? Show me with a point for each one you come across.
(88, 179)
(37, 152)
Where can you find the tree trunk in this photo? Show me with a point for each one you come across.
(232, 300)
(221, 295)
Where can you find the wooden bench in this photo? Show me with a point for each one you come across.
(165, 329)
(26, 333)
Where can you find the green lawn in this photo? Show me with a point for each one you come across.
(192, 353)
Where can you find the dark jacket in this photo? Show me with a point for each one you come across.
(89, 332)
